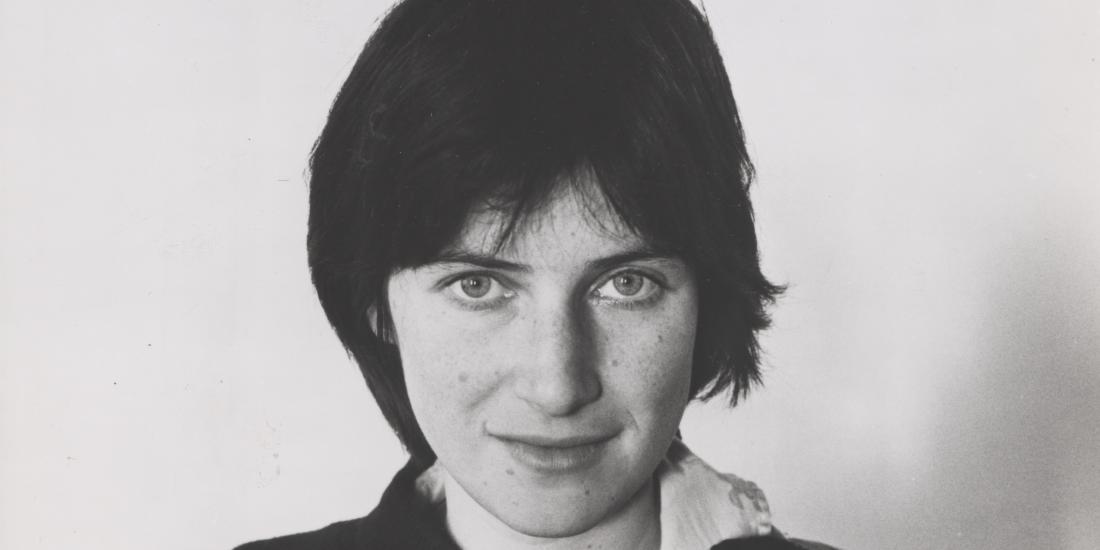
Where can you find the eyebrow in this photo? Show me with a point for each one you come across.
(489, 261)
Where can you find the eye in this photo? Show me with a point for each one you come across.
(629, 288)
(478, 290)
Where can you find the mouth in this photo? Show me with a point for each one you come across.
(548, 455)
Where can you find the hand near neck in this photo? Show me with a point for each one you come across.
(634, 525)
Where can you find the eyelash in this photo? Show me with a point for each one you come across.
(453, 285)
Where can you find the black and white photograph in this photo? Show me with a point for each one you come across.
(549, 274)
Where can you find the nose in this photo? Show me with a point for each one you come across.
(559, 377)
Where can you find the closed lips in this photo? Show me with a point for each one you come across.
(552, 456)
(555, 442)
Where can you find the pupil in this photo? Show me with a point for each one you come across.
(475, 287)
(628, 285)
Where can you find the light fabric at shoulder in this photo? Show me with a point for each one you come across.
(701, 507)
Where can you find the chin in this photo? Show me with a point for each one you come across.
(553, 521)
(570, 508)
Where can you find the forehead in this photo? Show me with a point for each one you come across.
(574, 220)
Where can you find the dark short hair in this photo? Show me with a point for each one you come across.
(456, 103)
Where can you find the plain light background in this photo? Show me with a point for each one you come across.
(927, 186)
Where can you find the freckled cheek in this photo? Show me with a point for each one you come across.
(444, 361)
(654, 364)
(446, 388)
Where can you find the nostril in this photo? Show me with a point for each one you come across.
(560, 395)
(559, 387)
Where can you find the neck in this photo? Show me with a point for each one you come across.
(635, 525)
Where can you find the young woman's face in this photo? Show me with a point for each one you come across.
(549, 378)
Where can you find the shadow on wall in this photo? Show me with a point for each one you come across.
(1014, 447)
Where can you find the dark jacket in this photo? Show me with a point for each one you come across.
(405, 521)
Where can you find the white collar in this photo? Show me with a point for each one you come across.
(700, 506)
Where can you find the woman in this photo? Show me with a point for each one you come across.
(530, 225)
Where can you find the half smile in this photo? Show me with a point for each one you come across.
(556, 455)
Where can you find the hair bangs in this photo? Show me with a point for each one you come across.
(536, 98)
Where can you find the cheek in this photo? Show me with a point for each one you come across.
(650, 365)
(444, 365)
